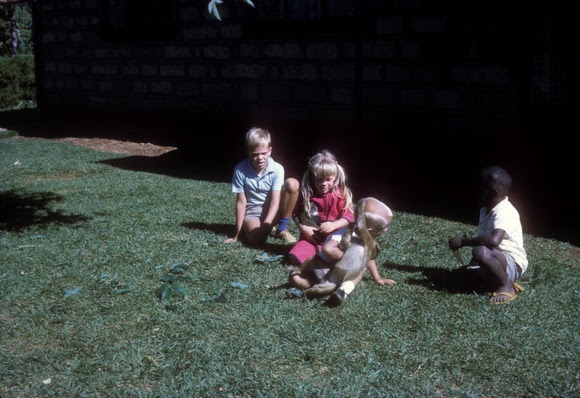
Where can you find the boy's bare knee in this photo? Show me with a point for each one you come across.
(291, 185)
(479, 252)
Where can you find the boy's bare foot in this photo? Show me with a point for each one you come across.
(504, 295)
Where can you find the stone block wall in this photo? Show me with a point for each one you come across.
(413, 95)
(446, 64)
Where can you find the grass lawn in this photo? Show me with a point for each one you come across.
(116, 283)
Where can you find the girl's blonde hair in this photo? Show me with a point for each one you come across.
(323, 165)
(256, 137)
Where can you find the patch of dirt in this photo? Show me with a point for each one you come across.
(115, 146)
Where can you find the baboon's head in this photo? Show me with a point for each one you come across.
(378, 216)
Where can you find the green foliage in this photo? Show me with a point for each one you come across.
(108, 238)
(16, 16)
(213, 10)
(17, 81)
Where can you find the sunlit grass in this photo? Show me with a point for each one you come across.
(87, 246)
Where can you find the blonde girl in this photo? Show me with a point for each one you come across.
(322, 212)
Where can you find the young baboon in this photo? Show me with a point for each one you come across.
(372, 218)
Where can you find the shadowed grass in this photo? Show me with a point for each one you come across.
(85, 245)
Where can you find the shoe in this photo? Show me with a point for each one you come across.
(335, 299)
(509, 296)
(286, 236)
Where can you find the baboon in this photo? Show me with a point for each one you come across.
(372, 218)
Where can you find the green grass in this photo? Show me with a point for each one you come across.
(84, 247)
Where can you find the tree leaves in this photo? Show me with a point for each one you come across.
(169, 288)
(213, 10)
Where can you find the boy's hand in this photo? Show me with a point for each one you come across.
(231, 240)
(455, 243)
(385, 281)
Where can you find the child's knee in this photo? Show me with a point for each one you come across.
(298, 280)
(331, 249)
(292, 259)
(291, 185)
(479, 252)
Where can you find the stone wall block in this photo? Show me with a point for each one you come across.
(177, 70)
(492, 75)
(249, 51)
(197, 71)
(311, 94)
(282, 50)
(411, 49)
(218, 90)
(378, 49)
(150, 70)
(275, 93)
(389, 25)
(76, 37)
(322, 50)
(188, 14)
(64, 67)
(177, 52)
(446, 99)
(397, 73)
(244, 71)
(161, 87)
(414, 98)
(338, 72)
(187, 89)
(377, 96)
(372, 72)
(129, 69)
(200, 33)
(231, 31)
(342, 95)
(217, 52)
(428, 24)
(104, 69)
(105, 86)
(300, 72)
(249, 91)
(81, 69)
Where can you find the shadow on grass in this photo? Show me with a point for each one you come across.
(460, 280)
(218, 229)
(178, 163)
(19, 211)
(228, 230)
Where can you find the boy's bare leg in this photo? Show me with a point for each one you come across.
(495, 262)
(289, 197)
(255, 231)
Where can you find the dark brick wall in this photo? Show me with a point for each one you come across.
(472, 65)
(413, 95)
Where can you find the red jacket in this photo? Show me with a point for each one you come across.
(331, 207)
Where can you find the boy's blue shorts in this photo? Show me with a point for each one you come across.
(512, 270)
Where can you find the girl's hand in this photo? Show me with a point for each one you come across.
(231, 240)
(327, 227)
(312, 234)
